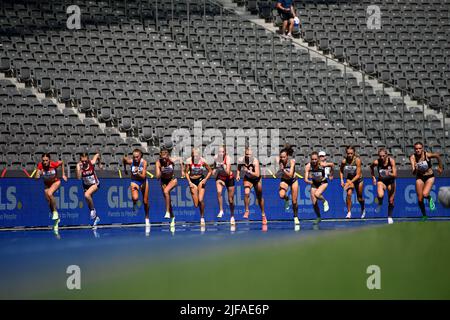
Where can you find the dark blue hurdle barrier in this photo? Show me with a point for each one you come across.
(22, 202)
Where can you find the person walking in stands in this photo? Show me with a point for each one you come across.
(286, 10)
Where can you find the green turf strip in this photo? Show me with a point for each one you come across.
(414, 258)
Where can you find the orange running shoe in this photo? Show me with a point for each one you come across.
(264, 220)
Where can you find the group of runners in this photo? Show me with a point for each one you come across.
(318, 172)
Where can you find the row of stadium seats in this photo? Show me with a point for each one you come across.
(148, 80)
(410, 50)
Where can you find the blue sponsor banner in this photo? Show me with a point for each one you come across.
(22, 202)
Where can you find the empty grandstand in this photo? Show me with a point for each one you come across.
(137, 70)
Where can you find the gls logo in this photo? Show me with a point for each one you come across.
(8, 200)
(369, 194)
(117, 199)
(181, 197)
(67, 200)
(411, 194)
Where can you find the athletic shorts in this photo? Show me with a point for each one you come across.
(140, 183)
(425, 178)
(86, 187)
(387, 182)
(285, 15)
(166, 181)
(228, 182)
(253, 181)
(197, 181)
(318, 183)
(290, 181)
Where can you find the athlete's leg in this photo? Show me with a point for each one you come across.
(259, 197)
(391, 194)
(349, 199)
(194, 194)
(169, 187)
(134, 192)
(247, 189)
(201, 200)
(50, 197)
(294, 191)
(315, 201)
(219, 185)
(381, 187)
(419, 191)
(145, 191)
(231, 199)
(359, 193)
(283, 190)
(88, 196)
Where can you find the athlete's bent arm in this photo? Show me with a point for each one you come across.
(306, 177)
(438, 157)
(412, 159)
(393, 174)
(358, 171)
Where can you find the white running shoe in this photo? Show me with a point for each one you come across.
(202, 222)
(326, 206)
(172, 223)
(349, 215)
(93, 214)
(96, 221)
(296, 221)
(363, 215)
(220, 215)
(167, 216)
(390, 220)
(232, 222)
(147, 222)
(55, 215)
